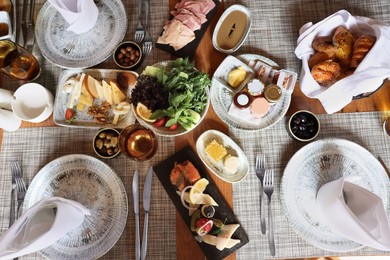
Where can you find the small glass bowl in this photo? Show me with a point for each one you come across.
(127, 55)
(303, 126)
(106, 143)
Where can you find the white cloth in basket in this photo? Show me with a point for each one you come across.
(368, 76)
(80, 14)
(41, 226)
(354, 213)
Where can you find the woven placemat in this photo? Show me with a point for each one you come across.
(364, 129)
(35, 147)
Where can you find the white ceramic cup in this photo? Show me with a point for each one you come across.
(33, 103)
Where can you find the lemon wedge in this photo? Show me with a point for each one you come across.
(144, 112)
(197, 190)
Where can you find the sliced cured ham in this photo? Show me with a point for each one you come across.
(187, 18)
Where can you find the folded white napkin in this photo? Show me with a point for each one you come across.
(80, 14)
(360, 217)
(41, 226)
(367, 77)
(9, 121)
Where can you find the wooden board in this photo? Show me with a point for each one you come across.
(222, 212)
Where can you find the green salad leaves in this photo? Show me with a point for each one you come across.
(187, 88)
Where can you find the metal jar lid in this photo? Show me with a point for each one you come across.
(272, 93)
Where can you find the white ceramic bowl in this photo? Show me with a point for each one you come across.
(232, 148)
(33, 103)
(220, 24)
(4, 18)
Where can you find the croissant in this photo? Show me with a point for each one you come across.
(319, 57)
(324, 44)
(360, 49)
(344, 41)
(326, 72)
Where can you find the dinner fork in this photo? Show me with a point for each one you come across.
(140, 31)
(13, 182)
(147, 46)
(260, 170)
(268, 185)
(20, 187)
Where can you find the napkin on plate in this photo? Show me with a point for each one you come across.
(354, 213)
(41, 226)
(367, 77)
(80, 14)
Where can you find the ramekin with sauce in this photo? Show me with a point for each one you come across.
(232, 29)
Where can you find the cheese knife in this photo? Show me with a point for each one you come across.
(146, 203)
(136, 212)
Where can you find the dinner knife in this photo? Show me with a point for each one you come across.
(136, 212)
(146, 203)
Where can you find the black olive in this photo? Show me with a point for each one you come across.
(303, 118)
(294, 128)
(296, 120)
(302, 127)
(208, 211)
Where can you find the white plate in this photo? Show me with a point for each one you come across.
(314, 165)
(221, 99)
(87, 49)
(233, 149)
(95, 185)
(82, 118)
(163, 131)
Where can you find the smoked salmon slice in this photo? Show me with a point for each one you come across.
(184, 174)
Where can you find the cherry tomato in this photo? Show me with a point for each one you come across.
(173, 127)
(160, 122)
(201, 221)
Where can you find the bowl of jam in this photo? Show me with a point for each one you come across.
(303, 126)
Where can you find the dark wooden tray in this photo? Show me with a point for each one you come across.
(223, 211)
(190, 48)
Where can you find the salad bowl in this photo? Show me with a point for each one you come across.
(187, 101)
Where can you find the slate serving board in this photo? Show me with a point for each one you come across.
(223, 211)
(190, 48)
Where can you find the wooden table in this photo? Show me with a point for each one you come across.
(187, 247)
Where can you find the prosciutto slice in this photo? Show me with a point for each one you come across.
(187, 18)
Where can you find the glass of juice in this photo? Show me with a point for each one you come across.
(17, 62)
(138, 142)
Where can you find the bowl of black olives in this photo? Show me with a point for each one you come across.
(303, 126)
(105, 143)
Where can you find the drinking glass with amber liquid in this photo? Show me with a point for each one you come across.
(17, 62)
(138, 142)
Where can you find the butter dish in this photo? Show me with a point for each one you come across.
(234, 155)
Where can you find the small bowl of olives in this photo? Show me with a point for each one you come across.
(128, 55)
(303, 126)
(105, 143)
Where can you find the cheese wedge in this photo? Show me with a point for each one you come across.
(76, 92)
(80, 106)
(86, 99)
(227, 232)
(214, 240)
(117, 94)
(99, 89)
(107, 92)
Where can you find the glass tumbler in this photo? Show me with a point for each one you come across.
(17, 62)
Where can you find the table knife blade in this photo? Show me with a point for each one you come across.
(136, 213)
(146, 203)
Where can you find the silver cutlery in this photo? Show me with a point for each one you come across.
(13, 182)
(146, 204)
(260, 170)
(20, 187)
(136, 212)
(139, 32)
(30, 36)
(147, 46)
(268, 185)
(21, 38)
